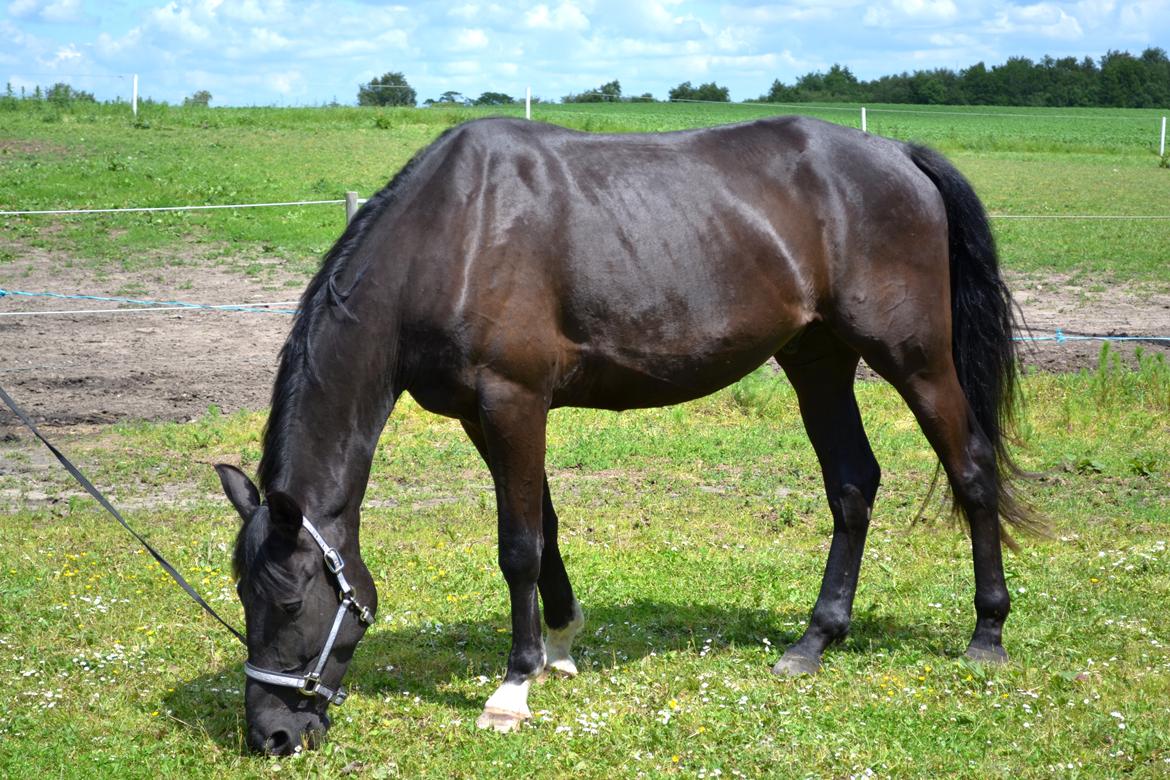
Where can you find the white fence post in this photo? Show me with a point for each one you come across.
(864, 127)
(351, 206)
(528, 103)
(134, 100)
(1162, 143)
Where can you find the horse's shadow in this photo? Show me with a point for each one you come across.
(423, 660)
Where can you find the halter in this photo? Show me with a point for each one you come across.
(310, 684)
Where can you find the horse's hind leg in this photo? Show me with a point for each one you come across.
(562, 613)
(822, 370)
(938, 402)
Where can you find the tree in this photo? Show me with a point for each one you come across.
(840, 83)
(779, 93)
(494, 99)
(451, 96)
(199, 100)
(711, 92)
(62, 94)
(390, 89)
(611, 92)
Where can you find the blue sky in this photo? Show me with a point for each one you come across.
(280, 52)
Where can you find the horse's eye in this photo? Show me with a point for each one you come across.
(291, 607)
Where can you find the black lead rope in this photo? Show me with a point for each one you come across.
(101, 499)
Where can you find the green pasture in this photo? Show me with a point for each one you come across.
(695, 537)
(1031, 162)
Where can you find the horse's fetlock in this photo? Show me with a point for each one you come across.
(993, 606)
(526, 663)
(832, 624)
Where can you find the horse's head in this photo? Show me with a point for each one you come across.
(305, 611)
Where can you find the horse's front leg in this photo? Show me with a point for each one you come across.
(513, 419)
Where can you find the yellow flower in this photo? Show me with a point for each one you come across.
(674, 759)
(673, 704)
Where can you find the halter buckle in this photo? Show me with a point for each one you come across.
(309, 684)
(339, 697)
(333, 561)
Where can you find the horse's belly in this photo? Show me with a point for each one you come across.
(605, 379)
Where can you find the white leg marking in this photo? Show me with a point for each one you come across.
(506, 708)
(559, 645)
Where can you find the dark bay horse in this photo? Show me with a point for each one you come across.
(513, 267)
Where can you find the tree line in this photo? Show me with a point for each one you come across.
(1119, 80)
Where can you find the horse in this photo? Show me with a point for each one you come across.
(513, 267)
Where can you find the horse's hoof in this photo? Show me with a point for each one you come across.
(501, 721)
(796, 665)
(561, 667)
(994, 654)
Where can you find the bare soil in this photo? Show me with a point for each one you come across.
(78, 369)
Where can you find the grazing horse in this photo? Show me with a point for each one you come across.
(513, 267)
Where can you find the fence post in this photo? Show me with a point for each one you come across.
(528, 103)
(134, 100)
(351, 206)
(864, 127)
(1162, 143)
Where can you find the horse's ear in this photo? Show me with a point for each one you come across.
(239, 489)
(284, 513)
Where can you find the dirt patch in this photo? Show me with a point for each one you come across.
(29, 147)
(71, 369)
(68, 369)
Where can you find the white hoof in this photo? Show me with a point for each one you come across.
(558, 646)
(565, 667)
(501, 721)
(507, 708)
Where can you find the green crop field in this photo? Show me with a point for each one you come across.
(695, 535)
(1023, 162)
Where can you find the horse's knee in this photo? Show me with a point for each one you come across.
(519, 557)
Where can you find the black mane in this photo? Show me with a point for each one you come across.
(323, 297)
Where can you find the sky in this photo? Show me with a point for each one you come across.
(281, 52)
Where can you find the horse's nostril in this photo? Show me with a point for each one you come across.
(279, 743)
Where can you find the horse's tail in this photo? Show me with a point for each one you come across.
(982, 324)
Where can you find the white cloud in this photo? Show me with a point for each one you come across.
(57, 11)
(916, 12)
(180, 21)
(1044, 19)
(65, 54)
(265, 40)
(566, 17)
(285, 83)
(466, 40)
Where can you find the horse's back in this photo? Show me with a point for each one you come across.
(645, 269)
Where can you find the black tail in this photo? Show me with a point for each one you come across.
(982, 323)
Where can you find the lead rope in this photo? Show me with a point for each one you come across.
(101, 499)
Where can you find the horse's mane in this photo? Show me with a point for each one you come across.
(322, 298)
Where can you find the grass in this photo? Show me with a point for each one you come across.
(1022, 161)
(695, 537)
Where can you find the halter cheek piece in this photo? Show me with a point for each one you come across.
(310, 684)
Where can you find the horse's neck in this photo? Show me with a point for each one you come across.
(325, 437)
